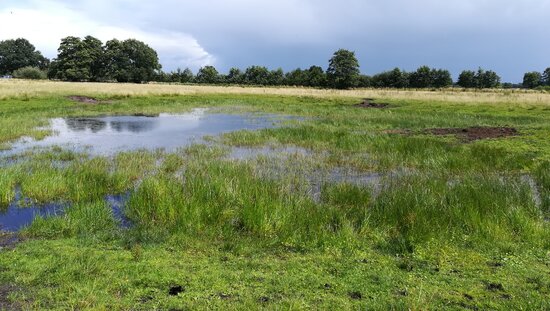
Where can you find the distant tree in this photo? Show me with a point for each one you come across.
(208, 75)
(546, 77)
(19, 53)
(296, 77)
(315, 76)
(441, 78)
(32, 73)
(365, 81)
(395, 78)
(421, 78)
(487, 79)
(73, 62)
(235, 76)
(187, 76)
(467, 79)
(96, 57)
(343, 70)
(532, 79)
(130, 61)
(257, 75)
(276, 77)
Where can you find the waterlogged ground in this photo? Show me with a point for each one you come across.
(395, 204)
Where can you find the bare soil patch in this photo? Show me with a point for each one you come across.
(9, 240)
(5, 303)
(369, 103)
(475, 133)
(86, 100)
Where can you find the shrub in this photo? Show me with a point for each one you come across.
(31, 73)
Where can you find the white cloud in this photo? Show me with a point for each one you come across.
(45, 25)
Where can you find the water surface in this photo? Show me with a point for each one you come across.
(112, 134)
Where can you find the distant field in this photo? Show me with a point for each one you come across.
(17, 88)
(412, 200)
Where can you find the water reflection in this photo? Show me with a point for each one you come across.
(109, 135)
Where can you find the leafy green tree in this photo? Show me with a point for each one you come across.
(395, 78)
(235, 76)
(276, 77)
(421, 78)
(546, 77)
(187, 76)
(343, 70)
(95, 54)
(315, 77)
(73, 62)
(441, 78)
(256, 75)
(32, 73)
(467, 79)
(487, 79)
(296, 77)
(532, 79)
(365, 81)
(130, 61)
(19, 53)
(208, 75)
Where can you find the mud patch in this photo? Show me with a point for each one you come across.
(5, 303)
(475, 133)
(85, 100)
(9, 241)
(369, 103)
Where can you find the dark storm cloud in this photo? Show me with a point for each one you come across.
(509, 37)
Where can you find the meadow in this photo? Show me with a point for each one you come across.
(414, 200)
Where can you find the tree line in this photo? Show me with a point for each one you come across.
(131, 60)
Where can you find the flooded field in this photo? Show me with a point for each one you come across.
(112, 134)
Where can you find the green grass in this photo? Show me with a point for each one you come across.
(448, 225)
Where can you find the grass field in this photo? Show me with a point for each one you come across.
(451, 222)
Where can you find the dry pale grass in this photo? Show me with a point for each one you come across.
(22, 88)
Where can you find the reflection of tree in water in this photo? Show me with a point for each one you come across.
(132, 126)
(82, 124)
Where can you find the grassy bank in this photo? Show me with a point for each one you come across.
(377, 212)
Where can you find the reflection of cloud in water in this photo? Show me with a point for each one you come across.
(83, 124)
(132, 126)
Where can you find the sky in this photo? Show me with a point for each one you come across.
(510, 37)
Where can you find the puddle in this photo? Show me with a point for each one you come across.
(117, 203)
(21, 212)
(112, 134)
(17, 215)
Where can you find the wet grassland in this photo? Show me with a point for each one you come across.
(383, 204)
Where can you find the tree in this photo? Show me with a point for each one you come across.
(467, 79)
(441, 78)
(296, 77)
(208, 74)
(315, 76)
(343, 70)
(532, 79)
(546, 77)
(257, 75)
(276, 77)
(421, 78)
(73, 62)
(235, 76)
(187, 76)
(96, 57)
(487, 79)
(19, 53)
(395, 78)
(130, 61)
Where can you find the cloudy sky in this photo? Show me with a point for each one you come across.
(508, 36)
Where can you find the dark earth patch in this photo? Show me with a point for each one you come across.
(355, 295)
(475, 133)
(369, 103)
(5, 303)
(9, 240)
(83, 99)
(176, 290)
